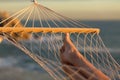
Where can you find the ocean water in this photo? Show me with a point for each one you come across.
(13, 60)
(110, 33)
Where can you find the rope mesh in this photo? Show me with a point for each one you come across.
(44, 48)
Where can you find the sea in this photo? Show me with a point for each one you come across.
(15, 65)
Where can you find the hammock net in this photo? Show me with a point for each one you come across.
(44, 47)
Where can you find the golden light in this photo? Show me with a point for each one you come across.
(1, 39)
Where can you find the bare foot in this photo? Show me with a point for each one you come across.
(76, 66)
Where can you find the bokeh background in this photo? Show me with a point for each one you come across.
(103, 14)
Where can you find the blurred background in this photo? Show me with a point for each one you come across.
(103, 14)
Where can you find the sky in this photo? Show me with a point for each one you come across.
(77, 9)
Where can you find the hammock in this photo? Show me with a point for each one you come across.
(39, 31)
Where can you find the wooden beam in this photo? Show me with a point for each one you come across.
(47, 30)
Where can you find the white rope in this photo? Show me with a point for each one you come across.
(45, 48)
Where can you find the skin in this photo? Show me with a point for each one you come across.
(76, 66)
